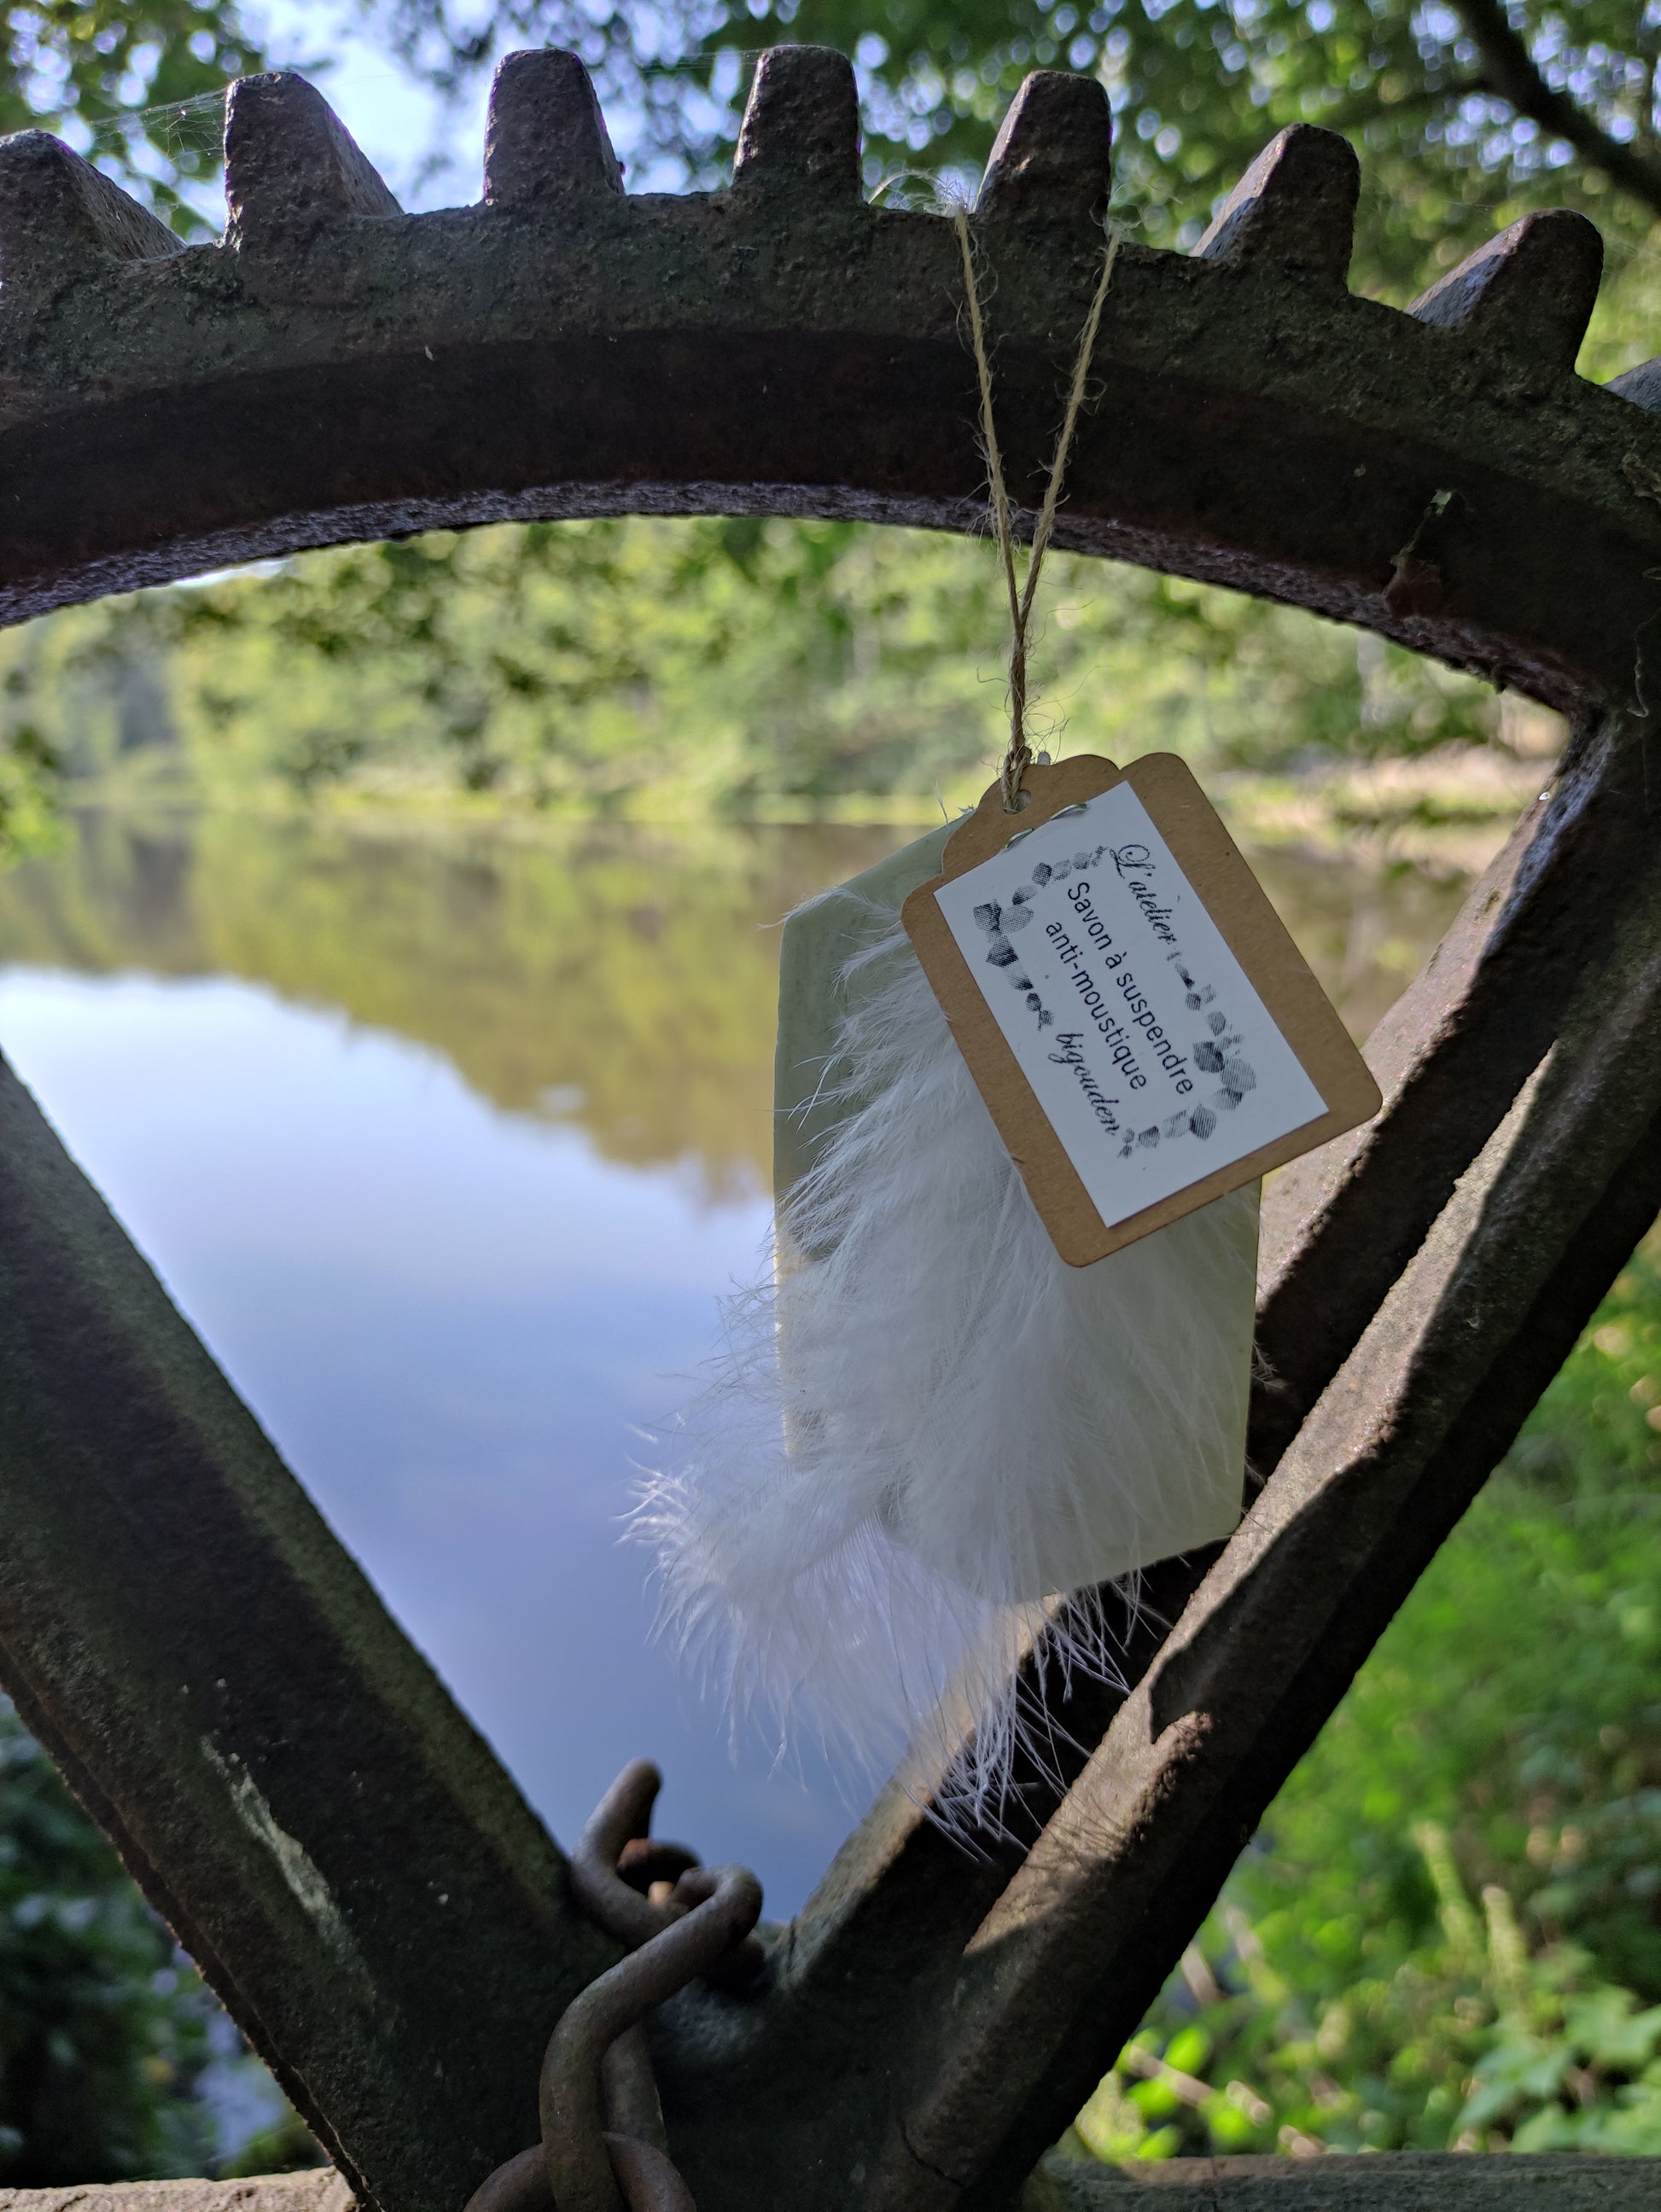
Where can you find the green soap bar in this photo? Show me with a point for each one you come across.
(819, 939)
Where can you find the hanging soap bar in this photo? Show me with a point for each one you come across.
(912, 1252)
(822, 976)
(927, 1425)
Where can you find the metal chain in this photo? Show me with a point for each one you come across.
(604, 2146)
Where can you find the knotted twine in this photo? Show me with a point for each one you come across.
(1019, 758)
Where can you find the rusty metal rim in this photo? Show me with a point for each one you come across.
(335, 371)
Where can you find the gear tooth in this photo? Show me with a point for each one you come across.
(1054, 152)
(1294, 207)
(800, 132)
(1529, 292)
(290, 164)
(59, 213)
(545, 137)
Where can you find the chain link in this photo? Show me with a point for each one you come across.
(604, 2145)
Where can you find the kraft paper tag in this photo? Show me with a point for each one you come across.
(1142, 1027)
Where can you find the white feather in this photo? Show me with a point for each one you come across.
(923, 1424)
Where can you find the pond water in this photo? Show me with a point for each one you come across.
(448, 1143)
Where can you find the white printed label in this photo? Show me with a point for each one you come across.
(1152, 1057)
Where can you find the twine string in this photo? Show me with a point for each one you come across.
(1019, 757)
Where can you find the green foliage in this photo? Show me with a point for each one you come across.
(1449, 1933)
(1465, 116)
(1463, 123)
(118, 79)
(103, 2025)
(794, 669)
(778, 670)
(288, 2146)
(29, 766)
(1198, 89)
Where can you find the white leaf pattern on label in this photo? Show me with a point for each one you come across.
(1153, 1058)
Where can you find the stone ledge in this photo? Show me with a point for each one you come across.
(1404, 2182)
(318, 2190)
(1385, 2182)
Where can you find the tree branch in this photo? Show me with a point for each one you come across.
(1509, 71)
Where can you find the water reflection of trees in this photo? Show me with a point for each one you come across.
(619, 978)
(616, 977)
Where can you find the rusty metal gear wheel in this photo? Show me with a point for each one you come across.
(356, 1875)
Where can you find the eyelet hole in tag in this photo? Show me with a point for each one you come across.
(1145, 1033)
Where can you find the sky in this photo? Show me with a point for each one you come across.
(429, 150)
(430, 153)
